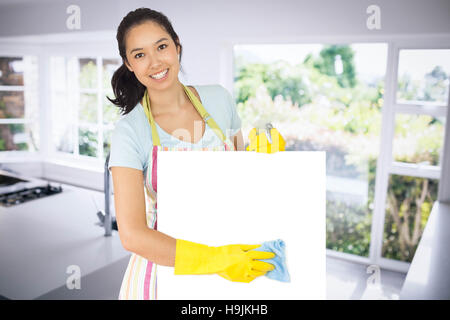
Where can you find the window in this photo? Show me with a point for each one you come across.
(418, 138)
(325, 98)
(423, 77)
(82, 117)
(19, 118)
(382, 127)
(422, 93)
(408, 206)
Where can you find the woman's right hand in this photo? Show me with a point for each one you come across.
(233, 262)
(246, 266)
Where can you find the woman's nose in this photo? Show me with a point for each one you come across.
(154, 63)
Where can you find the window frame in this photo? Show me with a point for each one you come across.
(385, 161)
(100, 92)
(100, 46)
(99, 50)
(19, 50)
(385, 165)
(81, 170)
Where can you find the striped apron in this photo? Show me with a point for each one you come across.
(139, 281)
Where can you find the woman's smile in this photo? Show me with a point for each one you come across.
(160, 76)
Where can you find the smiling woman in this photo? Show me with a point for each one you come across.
(162, 114)
(147, 34)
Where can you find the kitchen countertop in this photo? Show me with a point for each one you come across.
(40, 239)
(428, 277)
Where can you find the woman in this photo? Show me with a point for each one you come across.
(158, 109)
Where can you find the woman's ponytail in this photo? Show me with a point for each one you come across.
(127, 89)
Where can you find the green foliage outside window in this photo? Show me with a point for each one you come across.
(347, 125)
(87, 142)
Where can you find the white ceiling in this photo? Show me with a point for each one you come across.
(12, 2)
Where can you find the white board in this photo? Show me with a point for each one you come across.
(219, 198)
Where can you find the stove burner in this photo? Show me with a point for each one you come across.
(24, 195)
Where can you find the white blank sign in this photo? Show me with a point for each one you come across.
(219, 198)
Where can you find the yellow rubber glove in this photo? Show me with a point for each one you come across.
(266, 141)
(233, 262)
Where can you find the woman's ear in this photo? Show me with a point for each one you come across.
(125, 62)
(178, 49)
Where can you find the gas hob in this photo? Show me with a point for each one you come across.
(21, 196)
(16, 189)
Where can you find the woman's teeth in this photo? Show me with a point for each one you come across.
(159, 75)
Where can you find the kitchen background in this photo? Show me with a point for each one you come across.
(368, 84)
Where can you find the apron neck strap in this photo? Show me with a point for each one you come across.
(146, 105)
(205, 115)
(198, 106)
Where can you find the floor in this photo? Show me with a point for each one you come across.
(348, 281)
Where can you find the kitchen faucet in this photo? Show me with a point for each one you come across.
(107, 221)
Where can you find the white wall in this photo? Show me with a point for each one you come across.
(231, 17)
(205, 26)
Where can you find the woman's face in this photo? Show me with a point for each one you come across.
(150, 53)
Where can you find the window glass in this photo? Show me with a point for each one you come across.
(79, 116)
(88, 141)
(107, 134)
(109, 67)
(423, 76)
(325, 98)
(19, 104)
(408, 206)
(17, 137)
(87, 112)
(111, 112)
(11, 71)
(418, 139)
(12, 105)
(88, 73)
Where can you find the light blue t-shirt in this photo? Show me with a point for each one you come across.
(131, 140)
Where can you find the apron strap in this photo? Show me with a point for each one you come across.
(198, 106)
(146, 105)
(205, 115)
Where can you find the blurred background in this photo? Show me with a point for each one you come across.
(374, 98)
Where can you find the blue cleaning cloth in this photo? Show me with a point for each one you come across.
(280, 272)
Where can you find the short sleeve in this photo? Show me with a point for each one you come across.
(124, 148)
(236, 123)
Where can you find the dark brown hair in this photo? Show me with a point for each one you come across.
(127, 88)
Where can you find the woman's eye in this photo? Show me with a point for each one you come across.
(137, 56)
